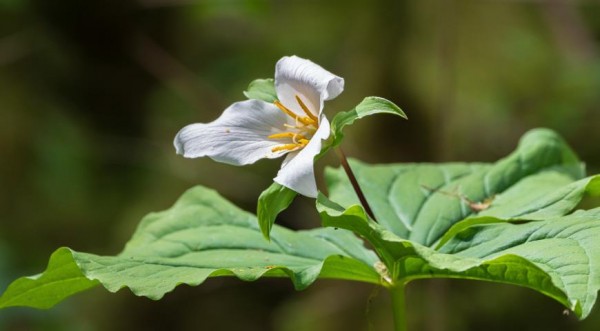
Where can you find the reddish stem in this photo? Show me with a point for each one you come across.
(354, 182)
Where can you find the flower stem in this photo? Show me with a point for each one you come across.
(354, 182)
(399, 307)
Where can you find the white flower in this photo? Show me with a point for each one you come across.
(253, 129)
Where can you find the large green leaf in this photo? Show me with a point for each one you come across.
(201, 236)
(505, 222)
(535, 198)
(421, 202)
(559, 257)
(565, 247)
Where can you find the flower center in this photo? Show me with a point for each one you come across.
(300, 133)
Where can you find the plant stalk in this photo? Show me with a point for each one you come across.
(399, 307)
(354, 182)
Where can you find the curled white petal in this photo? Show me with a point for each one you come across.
(295, 76)
(297, 172)
(239, 136)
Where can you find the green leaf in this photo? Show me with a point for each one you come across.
(262, 89)
(557, 257)
(271, 202)
(62, 279)
(537, 197)
(565, 247)
(505, 222)
(421, 202)
(201, 236)
(369, 106)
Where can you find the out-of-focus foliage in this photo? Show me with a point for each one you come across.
(92, 93)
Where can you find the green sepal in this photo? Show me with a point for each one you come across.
(271, 202)
(262, 89)
(367, 107)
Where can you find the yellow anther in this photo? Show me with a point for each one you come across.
(303, 142)
(285, 147)
(306, 110)
(292, 135)
(282, 135)
(304, 120)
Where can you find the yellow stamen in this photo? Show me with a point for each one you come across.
(282, 135)
(286, 135)
(304, 120)
(305, 126)
(306, 110)
(285, 147)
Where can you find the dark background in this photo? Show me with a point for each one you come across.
(92, 93)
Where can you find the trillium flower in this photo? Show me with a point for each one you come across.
(293, 125)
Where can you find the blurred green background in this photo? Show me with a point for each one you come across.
(92, 93)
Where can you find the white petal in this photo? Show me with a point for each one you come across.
(295, 76)
(238, 136)
(290, 156)
(297, 172)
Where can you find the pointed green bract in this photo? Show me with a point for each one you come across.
(262, 89)
(201, 236)
(421, 202)
(369, 106)
(271, 202)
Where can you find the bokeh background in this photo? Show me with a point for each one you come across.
(92, 93)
